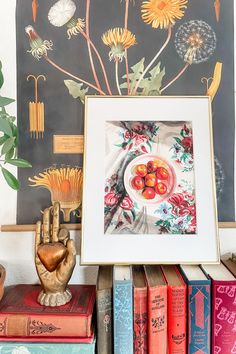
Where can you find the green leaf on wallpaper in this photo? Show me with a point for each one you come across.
(10, 179)
(134, 76)
(76, 90)
(152, 84)
(1, 75)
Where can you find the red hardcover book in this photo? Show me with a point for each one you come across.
(157, 310)
(22, 316)
(223, 309)
(140, 310)
(177, 310)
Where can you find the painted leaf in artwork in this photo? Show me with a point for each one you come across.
(10, 179)
(152, 84)
(1, 75)
(76, 89)
(134, 76)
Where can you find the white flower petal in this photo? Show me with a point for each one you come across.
(61, 12)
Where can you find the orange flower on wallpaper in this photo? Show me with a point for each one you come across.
(118, 39)
(65, 186)
(212, 90)
(163, 13)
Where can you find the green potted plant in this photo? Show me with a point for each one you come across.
(9, 141)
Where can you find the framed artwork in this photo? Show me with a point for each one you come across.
(125, 47)
(149, 182)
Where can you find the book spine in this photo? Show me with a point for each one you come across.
(20, 325)
(123, 317)
(104, 321)
(157, 320)
(223, 317)
(199, 318)
(140, 321)
(36, 348)
(177, 317)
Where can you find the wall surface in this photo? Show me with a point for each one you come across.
(16, 250)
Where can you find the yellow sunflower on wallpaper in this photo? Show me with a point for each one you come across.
(65, 186)
(162, 13)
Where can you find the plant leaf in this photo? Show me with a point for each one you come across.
(3, 139)
(5, 127)
(1, 75)
(10, 179)
(9, 143)
(4, 101)
(9, 154)
(152, 84)
(76, 90)
(19, 163)
(134, 76)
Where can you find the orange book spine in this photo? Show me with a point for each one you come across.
(177, 317)
(157, 319)
(25, 325)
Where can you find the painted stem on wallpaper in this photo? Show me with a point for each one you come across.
(100, 61)
(89, 45)
(126, 52)
(153, 60)
(117, 76)
(71, 75)
(176, 77)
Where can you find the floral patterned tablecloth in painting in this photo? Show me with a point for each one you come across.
(172, 141)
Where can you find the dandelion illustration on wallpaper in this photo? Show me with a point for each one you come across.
(195, 42)
(62, 14)
(36, 111)
(35, 10)
(217, 9)
(212, 89)
(65, 186)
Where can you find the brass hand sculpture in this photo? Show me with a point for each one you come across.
(55, 258)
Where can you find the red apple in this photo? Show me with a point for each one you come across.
(137, 183)
(161, 188)
(162, 173)
(152, 165)
(149, 193)
(141, 170)
(150, 180)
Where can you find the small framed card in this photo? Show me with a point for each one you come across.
(149, 188)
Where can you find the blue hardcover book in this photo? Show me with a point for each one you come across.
(123, 310)
(46, 348)
(199, 309)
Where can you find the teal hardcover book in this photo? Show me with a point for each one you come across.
(46, 348)
(123, 310)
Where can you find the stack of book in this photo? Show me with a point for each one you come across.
(156, 309)
(29, 327)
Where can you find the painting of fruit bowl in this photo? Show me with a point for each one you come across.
(149, 179)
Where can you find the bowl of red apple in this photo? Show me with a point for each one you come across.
(149, 179)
